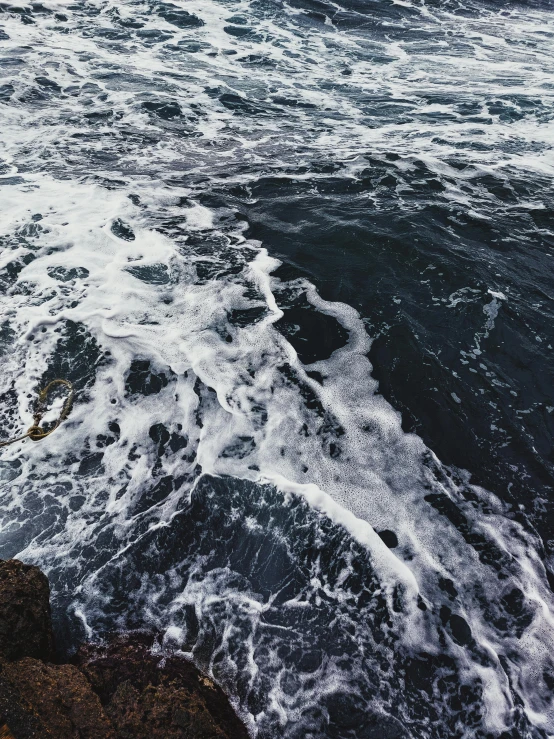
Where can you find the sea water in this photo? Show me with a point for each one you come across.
(296, 258)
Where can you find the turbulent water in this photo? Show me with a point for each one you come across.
(291, 253)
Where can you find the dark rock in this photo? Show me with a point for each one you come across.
(17, 719)
(121, 690)
(25, 626)
(61, 698)
(146, 696)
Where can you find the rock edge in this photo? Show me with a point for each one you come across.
(117, 690)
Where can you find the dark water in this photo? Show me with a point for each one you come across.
(296, 258)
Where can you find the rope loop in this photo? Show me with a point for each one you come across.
(36, 432)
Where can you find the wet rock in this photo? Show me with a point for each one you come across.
(17, 719)
(121, 690)
(25, 626)
(147, 696)
(61, 699)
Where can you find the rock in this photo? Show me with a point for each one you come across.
(160, 698)
(61, 698)
(25, 625)
(17, 719)
(121, 690)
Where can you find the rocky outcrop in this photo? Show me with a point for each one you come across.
(144, 700)
(17, 718)
(61, 698)
(25, 625)
(119, 690)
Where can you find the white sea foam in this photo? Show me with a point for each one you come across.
(377, 482)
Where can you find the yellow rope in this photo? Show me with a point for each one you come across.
(36, 432)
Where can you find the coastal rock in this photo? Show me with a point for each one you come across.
(17, 719)
(25, 624)
(60, 697)
(120, 690)
(156, 696)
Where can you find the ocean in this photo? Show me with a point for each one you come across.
(297, 259)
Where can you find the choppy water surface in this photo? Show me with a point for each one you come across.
(291, 254)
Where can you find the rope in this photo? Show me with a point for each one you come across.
(36, 432)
